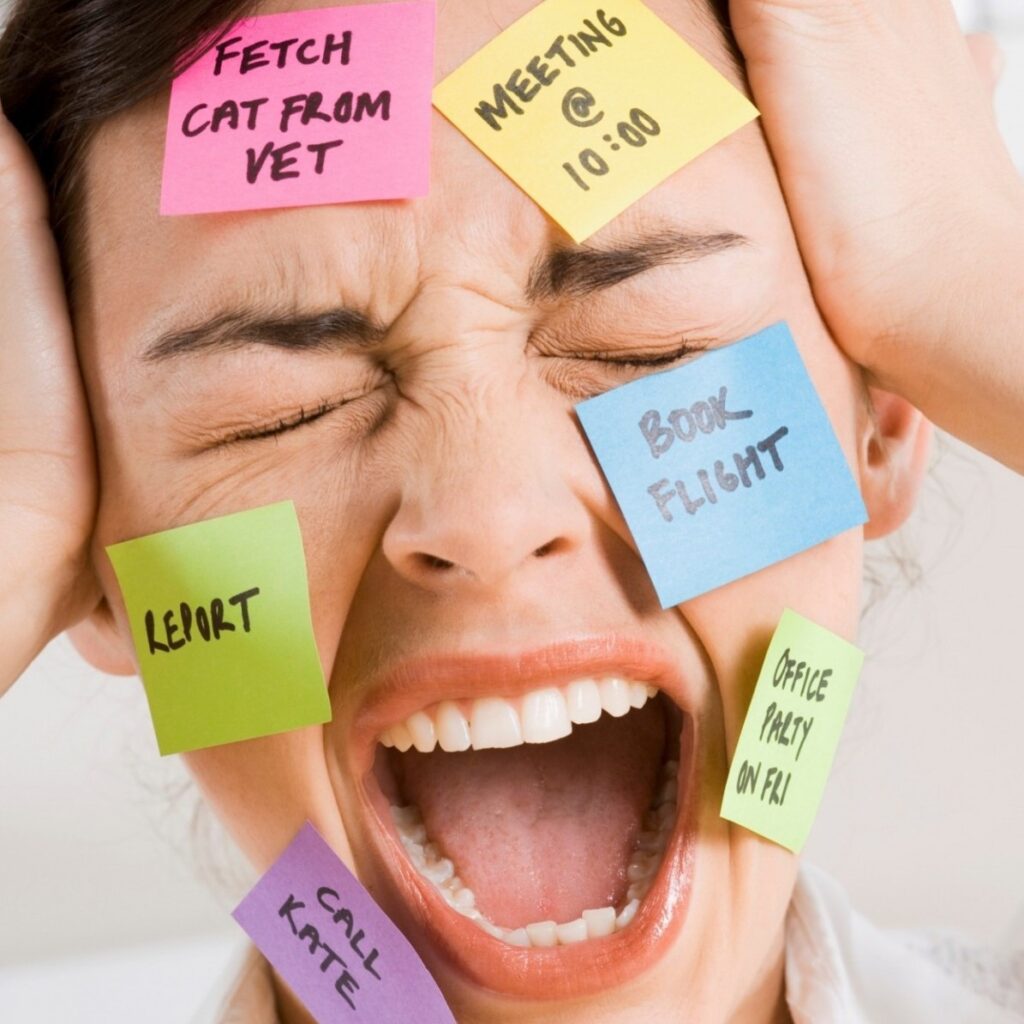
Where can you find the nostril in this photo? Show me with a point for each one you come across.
(434, 563)
(553, 547)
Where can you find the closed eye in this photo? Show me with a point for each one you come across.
(305, 416)
(636, 360)
(283, 425)
(581, 374)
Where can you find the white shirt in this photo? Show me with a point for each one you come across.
(840, 969)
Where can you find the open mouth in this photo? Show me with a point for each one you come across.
(555, 818)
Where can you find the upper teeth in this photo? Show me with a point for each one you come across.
(539, 716)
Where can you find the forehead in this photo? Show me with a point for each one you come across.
(475, 228)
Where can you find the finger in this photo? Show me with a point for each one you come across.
(988, 57)
(47, 468)
(38, 368)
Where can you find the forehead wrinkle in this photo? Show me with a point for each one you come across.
(485, 256)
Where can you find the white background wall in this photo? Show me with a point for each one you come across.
(103, 916)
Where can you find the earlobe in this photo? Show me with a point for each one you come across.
(99, 641)
(894, 452)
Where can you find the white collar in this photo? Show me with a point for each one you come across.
(841, 969)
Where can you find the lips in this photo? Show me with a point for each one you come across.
(535, 812)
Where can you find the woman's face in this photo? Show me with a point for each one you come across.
(461, 542)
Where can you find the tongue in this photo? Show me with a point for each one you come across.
(541, 831)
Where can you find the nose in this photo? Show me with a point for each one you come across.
(488, 507)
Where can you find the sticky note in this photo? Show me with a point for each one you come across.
(588, 106)
(304, 107)
(339, 952)
(723, 465)
(789, 737)
(220, 618)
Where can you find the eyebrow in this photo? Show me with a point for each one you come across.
(566, 271)
(580, 270)
(234, 329)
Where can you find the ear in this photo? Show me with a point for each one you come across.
(99, 641)
(893, 456)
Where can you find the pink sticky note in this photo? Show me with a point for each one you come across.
(305, 107)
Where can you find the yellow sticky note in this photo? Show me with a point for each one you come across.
(588, 106)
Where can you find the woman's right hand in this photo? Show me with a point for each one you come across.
(47, 464)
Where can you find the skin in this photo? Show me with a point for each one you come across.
(919, 275)
(481, 383)
(469, 385)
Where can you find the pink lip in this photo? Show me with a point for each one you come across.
(564, 971)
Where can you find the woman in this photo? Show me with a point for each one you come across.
(461, 543)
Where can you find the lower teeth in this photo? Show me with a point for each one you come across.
(592, 924)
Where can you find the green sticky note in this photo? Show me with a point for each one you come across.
(791, 731)
(219, 614)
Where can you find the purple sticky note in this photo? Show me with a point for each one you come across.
(328, 939)
(304, 107)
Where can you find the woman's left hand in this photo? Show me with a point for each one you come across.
(907, 207)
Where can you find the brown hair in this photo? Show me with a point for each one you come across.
(67, 65)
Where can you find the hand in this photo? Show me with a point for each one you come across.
(47, 467)
(908, 210)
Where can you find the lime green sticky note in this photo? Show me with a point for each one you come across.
(791, 731)
(589, 106)
(220, 618)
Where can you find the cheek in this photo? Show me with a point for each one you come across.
(264, 790)
(735, 623)
(342, 523)
(342, 489)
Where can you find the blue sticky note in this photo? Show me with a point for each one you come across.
(724, 465)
